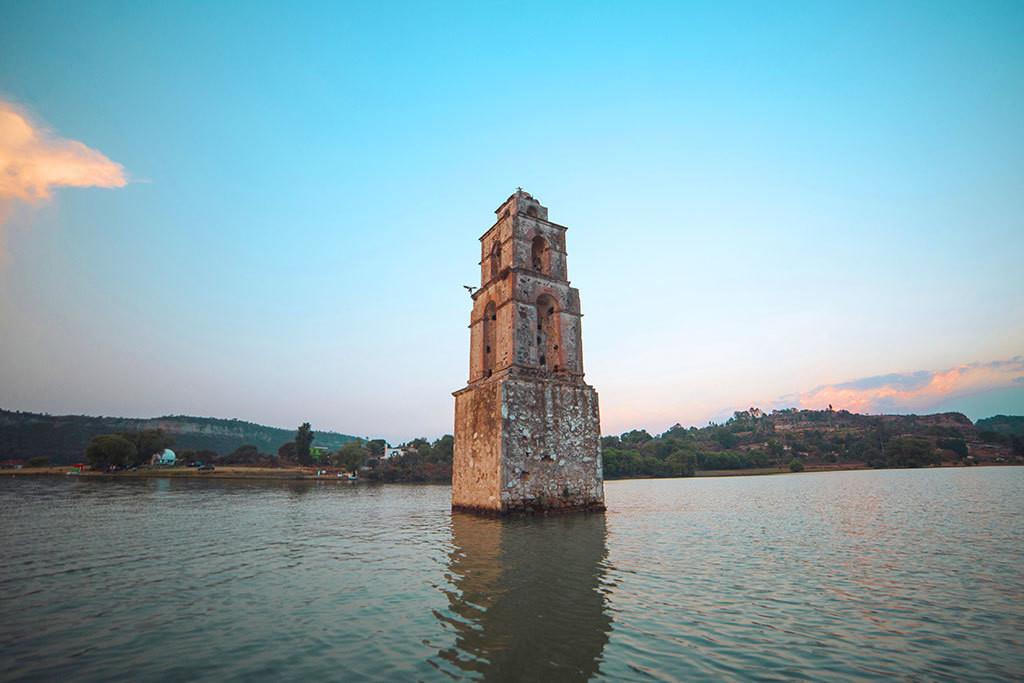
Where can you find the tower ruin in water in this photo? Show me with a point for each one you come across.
(527, 427)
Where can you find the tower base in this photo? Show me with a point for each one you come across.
(527, 444)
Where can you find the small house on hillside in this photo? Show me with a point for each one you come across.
(390, 452)
(166, 458)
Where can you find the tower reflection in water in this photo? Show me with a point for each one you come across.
(527, 597)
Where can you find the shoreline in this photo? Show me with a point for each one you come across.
(812, 469)
(238, 472)
(225, 472)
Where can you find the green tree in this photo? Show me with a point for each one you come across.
(352, 456)
(611, 442)
(796, 465)
(288, 452)
(635, 437)
(443, 449)
(109, 449)
(957, 445)
(38, 461)
(303, 442)
(676, 431)
(420, 445)
(989, 436)
(911, 451)
(620, 463)
(657, 448)
(246, 454)
(376, 447)
(682, 462)
(872, 456)
(206, 456)
(147, 443)
(725, 438)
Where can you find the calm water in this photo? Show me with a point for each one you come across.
(914, 575)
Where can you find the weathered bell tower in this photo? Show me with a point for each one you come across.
(527, 428)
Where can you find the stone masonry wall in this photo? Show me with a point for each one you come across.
(548, 435)
(476, 469)
(552, 446)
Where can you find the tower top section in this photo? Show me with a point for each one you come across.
(522, 202)
(522, 240)
(526, 315)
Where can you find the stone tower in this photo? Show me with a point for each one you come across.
(527, 428)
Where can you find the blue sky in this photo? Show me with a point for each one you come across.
(763, 200)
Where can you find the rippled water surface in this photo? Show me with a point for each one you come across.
(913, 574)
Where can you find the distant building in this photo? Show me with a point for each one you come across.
(12, 464)
(390, 452)
(166, 458)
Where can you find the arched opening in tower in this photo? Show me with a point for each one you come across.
(495, 259)
(540, 255)
(548, 333)
(490, 322)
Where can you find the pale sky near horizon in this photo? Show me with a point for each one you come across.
(268, 211)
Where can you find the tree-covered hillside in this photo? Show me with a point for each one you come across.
(1002, 424)
(750, 439)
(63, 438)
(807, 438)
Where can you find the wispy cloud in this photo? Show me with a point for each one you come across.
(911, 391)
(34, 161)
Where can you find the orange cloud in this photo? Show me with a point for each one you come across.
(912, 391)
(34, 161)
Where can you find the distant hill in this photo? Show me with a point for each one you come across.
(1002, 424)
(63, 438)
(750, 439)
(753, 439)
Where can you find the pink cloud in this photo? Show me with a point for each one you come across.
(34, 161)
(901, 392)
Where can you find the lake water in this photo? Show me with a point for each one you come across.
(910, 574)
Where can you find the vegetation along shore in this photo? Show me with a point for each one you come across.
(750, 442)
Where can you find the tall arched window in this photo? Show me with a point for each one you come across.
(540, 255)
(495, 259)
(490, 322)
(548, 333)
